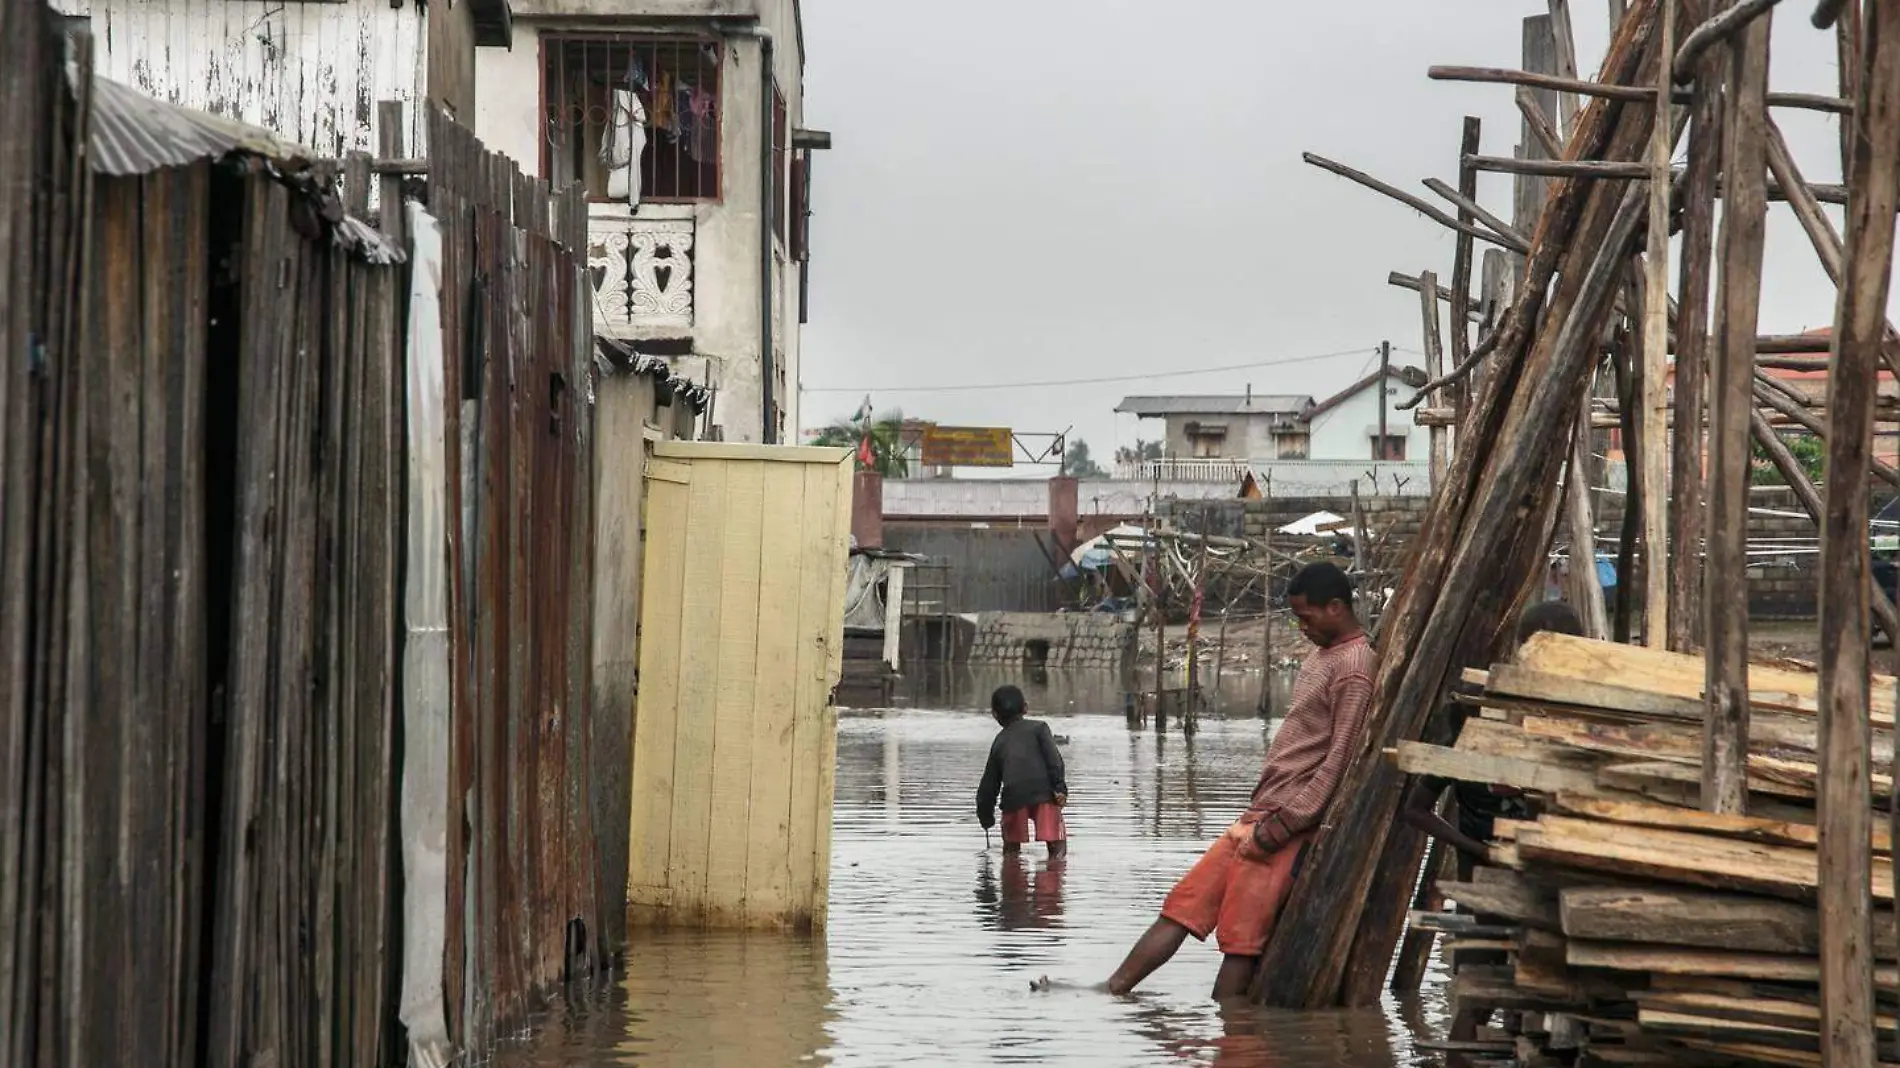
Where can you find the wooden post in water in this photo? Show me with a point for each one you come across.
(1266, 601)
(1860, 324)
(1161, 634)
(1744, 212)
(1653, 452)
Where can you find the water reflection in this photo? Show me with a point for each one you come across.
(935, 937)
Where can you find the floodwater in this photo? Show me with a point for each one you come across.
(934, 939)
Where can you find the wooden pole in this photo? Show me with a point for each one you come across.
(1688, 453)
(1479, 548)
(1434, 366)
(1266, 637)
(1654, 426)
(1845, 773)
(1745, 210)
(1462, 251)
(1550, 49)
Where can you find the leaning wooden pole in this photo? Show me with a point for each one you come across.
(1550, 49)
(1688, 494)
(1653, 451)
(1744, 217)
(1844, 787)
(1477, 549)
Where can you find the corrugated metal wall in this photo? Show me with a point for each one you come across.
(989, 569)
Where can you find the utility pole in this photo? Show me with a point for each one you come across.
(1385, 401)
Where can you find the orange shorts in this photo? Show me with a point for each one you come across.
(1048, 820)
(1235, 895)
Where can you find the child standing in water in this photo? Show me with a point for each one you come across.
(1026, 769)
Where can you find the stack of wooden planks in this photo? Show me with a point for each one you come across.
(1639, 929)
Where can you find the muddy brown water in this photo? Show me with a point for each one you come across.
(933, 941)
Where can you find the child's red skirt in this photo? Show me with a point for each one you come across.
(1047, 817)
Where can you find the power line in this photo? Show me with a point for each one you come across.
(1087, 381)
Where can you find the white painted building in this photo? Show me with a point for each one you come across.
(311, 72)
(685, 120)
(1303, 445)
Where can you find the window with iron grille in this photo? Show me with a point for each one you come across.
(634, 119)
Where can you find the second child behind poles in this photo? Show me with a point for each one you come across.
(1025, 768)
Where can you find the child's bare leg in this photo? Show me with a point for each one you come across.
(1151, 951)
(1236, 973)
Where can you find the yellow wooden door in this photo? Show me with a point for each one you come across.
(741, 641)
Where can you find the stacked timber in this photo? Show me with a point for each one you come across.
(1635, 927)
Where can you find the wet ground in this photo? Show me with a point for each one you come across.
(934, 939)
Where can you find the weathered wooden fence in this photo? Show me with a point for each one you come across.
(210, 437)
(201, 516)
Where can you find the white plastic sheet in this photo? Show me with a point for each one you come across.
(425, 664)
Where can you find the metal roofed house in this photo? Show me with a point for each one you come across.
(1304, 445)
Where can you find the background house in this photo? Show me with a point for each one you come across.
(1306, 446)
(698, 249)
(1226, 426)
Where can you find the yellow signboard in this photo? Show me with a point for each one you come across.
(967, 446)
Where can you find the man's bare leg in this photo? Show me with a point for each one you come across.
(1151, 951)
(1236, 973)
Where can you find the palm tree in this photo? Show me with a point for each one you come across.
(885, 435)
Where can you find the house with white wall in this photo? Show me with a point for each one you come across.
(1304, 445)
(685, 120)
(310, 71)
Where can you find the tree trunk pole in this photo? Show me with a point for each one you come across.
(1845, 772)
(1745, 210)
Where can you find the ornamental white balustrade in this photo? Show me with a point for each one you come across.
(642, 271)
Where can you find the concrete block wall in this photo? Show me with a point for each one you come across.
(1066, 639)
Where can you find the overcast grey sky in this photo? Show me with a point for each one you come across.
(1088, 189)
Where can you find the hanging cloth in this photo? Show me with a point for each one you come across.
(625, 143)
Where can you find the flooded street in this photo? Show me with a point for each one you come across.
(934, 940)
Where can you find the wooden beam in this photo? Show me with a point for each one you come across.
(1410, 281)
(1544, 168)
(1417, 204)
(1508, 896)
(1745, 210)
(1741, 17)
(1632, 93)
(1468, 205)
(1653, 453)
(1860, 331)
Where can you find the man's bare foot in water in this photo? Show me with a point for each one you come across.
(1046, 984)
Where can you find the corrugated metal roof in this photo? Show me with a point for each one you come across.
(133, 134)
(1215, 404)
